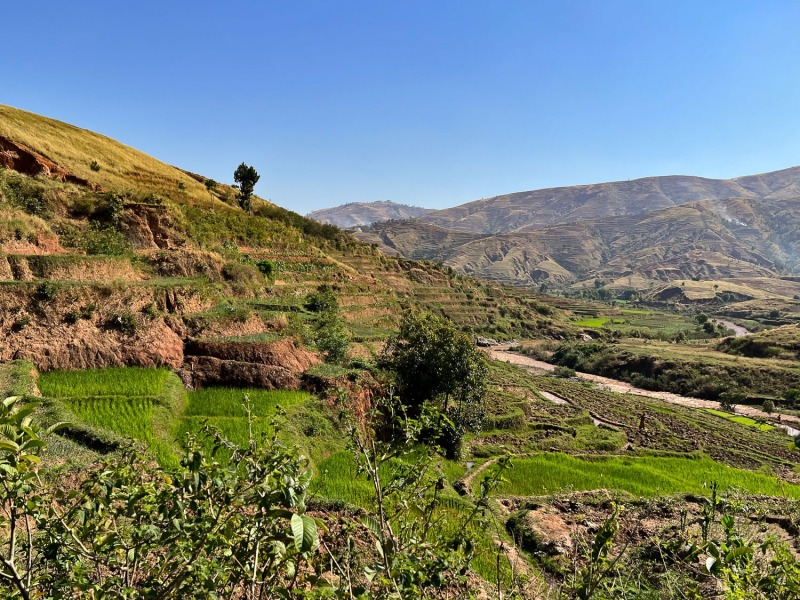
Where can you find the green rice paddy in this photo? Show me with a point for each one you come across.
(645, 476)
(739, 419)
(229, 402)
(112, 381)
(596, 322)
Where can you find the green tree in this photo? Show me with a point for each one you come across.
(729, 399)
(768, 406)
(433, 362)
(246, 178)
(331, 335)
(211, 185)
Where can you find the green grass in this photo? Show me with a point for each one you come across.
(337, 479)
(17, 378)
(739, 419)
(128, 417)
(592, 322)
(645, 476)
(631, 311)
(229, 402)
(253, 337)
(111, 381)
(223, 408)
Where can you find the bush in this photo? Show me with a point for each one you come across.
(84, 312)
(242, 273)
(94, 166)
(125, 322)
(332, 338)
(47, 291)
(21, 323)
(433, 362)
(564, 372)
(104, 241)
(323, 300)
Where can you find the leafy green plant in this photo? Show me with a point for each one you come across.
(431, 361)
(21, 323)
(94, 166)
(47, 291)
(134, 529)
(595, 575)
(125, 322)
(422, 537)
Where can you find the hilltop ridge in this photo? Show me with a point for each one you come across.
(356, 214)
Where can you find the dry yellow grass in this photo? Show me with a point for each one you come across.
(74, 148)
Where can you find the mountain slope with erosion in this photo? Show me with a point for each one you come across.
(527, 211)
(356, 214)
(735, 238)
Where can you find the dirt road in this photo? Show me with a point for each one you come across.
(738, 330)
(502, 353)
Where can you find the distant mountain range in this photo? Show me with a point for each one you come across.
(356, 214)
(639, 234)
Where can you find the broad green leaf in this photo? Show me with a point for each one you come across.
(304, 531)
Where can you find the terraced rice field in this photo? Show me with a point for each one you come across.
(112, 381)
(645, 476)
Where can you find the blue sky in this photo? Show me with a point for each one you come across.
(433, 102)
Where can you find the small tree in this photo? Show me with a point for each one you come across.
(768, 406)
(729, 399)
(331, 335)
(246, 178)
(211, 185)
(434, 362)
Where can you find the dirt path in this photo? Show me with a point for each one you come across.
(738, 330)
(467, 479)
(502, 353)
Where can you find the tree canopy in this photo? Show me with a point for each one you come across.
(433, 362)
(246, 178)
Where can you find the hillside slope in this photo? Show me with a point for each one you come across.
(356, 214)
(712, 239)
(110, 257)
(553, 206)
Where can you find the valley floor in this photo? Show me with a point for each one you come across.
(504, 354)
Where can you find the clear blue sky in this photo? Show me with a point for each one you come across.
(426, 102)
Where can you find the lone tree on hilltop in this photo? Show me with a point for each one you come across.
(434, 363)
(246, 178)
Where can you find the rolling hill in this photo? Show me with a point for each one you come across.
(528, 211)
(356, 214)
(632, 235)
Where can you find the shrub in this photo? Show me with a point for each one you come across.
(564, 372)
(104, 241)
(323, 300)
(21, 323)
(332, 338)
(94, 166)
(125, 322)
(47, 291)
(242, 273)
